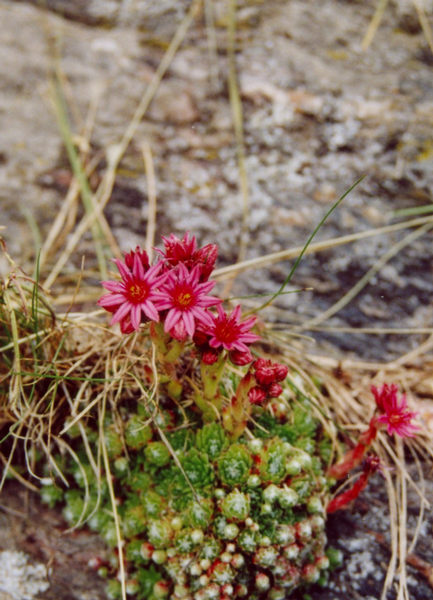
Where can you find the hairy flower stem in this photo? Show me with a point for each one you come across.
(235, 415)
(168, 351)
(211, 376)
(372, 464)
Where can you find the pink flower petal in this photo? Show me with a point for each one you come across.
(150, 311)
(111, 300)
(113, 286)
(121, 312)
(125, 273)
(171, 319)
(188, 319)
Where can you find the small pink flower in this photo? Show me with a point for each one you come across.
(396, 415)
(185, 252)
(132, 299)
(186, 300)
(229, 332)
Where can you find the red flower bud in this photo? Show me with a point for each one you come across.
(206, 257)
(265, 375)
(200, 338)
(142, 255)
(126, 325)
(209, 357)
(260, 363)
(240, 358)
(274, 390)
(281, 371)
(256, 395)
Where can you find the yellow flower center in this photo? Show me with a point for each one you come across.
(137, 291)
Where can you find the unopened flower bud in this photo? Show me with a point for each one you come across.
(240, 358)
(146, 550)
(281, 371)
(256, 395)
(291, 551)
(265, 375)
(311, 573)
(241, 590)
(322, 562)
(237, 561)
(314, 505)
(197, 536)
(210, 357)
(195, 569)
(275, 390)
(132, 587)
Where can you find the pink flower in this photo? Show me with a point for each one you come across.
(132, 299)
(396, 415)
(382, 395)
(229, 332)
(178, 251)
(186, 300)
(185, 252)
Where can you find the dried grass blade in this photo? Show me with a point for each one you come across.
(355, 290)
(79, 172)
(374, 24)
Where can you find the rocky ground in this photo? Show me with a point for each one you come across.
(318, 113)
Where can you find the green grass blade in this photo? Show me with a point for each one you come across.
(416, 210)
(308, 242)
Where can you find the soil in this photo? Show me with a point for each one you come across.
(319, 112)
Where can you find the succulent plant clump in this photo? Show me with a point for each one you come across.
(215, 476)
(205, 516)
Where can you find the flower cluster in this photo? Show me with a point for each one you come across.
(176, 291)
(268, 376)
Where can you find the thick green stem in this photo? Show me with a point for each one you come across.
(211, 376)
